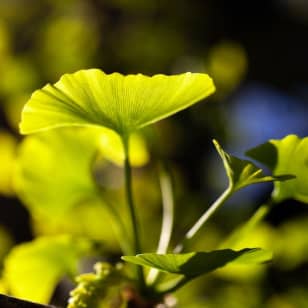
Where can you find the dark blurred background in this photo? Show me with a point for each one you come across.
(256, 52)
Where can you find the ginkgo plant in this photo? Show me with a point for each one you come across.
(90, 112)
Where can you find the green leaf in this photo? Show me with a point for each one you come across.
(32, 270)
(53, 172)
(121, 103)
(290, 156)
(243, 173)
(198, 263)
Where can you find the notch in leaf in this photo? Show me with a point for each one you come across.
(243, 173)
(288, 155)
(121, 103)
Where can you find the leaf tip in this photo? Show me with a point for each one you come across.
(217, 146)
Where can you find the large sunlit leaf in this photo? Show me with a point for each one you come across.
(243, 173)
(53, 171)
(289, 156)
(198, 263)
(32, 270)
(122, 103)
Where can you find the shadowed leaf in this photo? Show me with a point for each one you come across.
(198, 263)
(243, 173)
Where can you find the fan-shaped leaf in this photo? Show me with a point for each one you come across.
(198, 263)
(242, 173)
(122, 103)
(290, 156)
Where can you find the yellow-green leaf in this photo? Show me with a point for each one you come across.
(54, 168)
(122, 103)
(194, 264)
(290, 156)
(53, 172)
(32, 270)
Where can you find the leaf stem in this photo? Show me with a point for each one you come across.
(168, 212)
(167, 220)
(131, 207)
(204, 218)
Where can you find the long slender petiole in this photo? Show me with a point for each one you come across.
(131, 208)
(167, 220)
(203, 219)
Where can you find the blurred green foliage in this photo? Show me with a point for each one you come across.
(45, 259)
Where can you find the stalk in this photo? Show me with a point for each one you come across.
(167, 221)
(131, 209)
(203, 219)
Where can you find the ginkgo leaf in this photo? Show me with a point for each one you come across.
(287, 155)
(122, 103)
(32, 270)
(242, 172)
(53, 168)
(53, 172)
(194, 264)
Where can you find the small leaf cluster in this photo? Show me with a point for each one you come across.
(92, 287)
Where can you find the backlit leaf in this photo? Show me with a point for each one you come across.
(198, 263)
(32, 270)
(289, 156)
(122, 103)
(53, 171)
